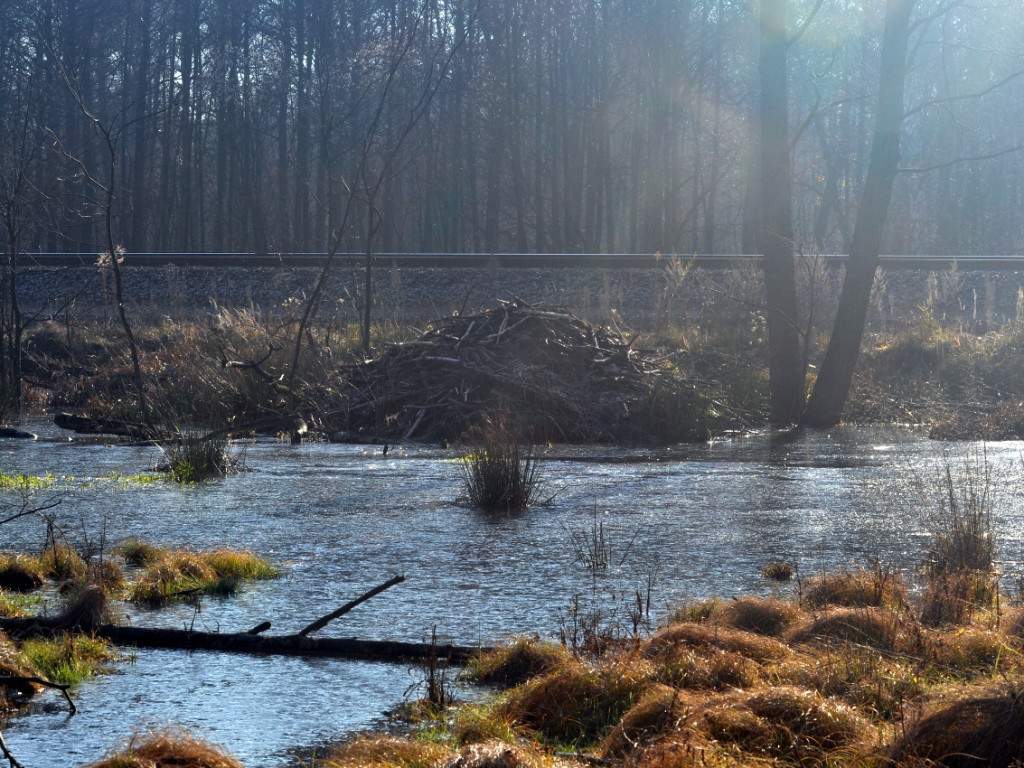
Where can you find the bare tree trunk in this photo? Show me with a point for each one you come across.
(785, 365)
(833, 385)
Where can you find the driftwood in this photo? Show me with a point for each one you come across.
(87, 425)
(253, 640)
(17, 681)
(18, 434)
(323, 621)
(246, 642)
(563, 379)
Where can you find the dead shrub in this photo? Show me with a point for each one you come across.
(168, 749)
(516, 663)
(765, 616)
(875, 627)
(981, 730)
(574, 704)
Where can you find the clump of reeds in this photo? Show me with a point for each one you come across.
(753, 646)
(61, 561)
(803, 725)
(777, 571)
(195, 459)
(501, 472)
(661, 710)
(959, 562)
(229, 563)
(875, 627)
(85, 609)
(164, 749)
(518, 662)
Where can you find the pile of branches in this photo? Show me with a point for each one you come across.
(558, 378)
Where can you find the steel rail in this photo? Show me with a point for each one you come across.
(971, 262)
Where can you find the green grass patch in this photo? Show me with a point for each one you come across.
(178, 574)
(14, 605)
(67, 659)
(241, 565)
(21, 482)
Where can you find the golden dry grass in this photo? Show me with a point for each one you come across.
(876, 627)
(387, 752)
(985, 729)
(753, 646)
(172, 748)
(765, 616)
(856, 589)
(518, 662)
(574, 704)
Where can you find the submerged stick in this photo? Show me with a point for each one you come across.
(62, 687)
(323, 621)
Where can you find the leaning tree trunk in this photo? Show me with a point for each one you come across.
(785, 363)
(833, 384)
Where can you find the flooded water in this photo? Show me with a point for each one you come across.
(697, 521)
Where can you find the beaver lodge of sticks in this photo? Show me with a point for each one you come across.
(558, 378)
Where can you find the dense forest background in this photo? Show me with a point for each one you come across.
(505, 125)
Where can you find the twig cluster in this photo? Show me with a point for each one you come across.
(563, 379)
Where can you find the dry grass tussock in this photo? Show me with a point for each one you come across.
(387, 752)
(516, 663)
(168, 749)
(764, 616)
(877, 587)
(574, 704)
(747, 644)
(984, 729)
(879, 628)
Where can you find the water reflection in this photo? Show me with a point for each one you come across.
(340, 519)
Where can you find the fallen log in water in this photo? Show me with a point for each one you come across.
(253, 640)
(245, 642)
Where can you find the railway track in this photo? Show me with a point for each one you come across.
(1009, 263)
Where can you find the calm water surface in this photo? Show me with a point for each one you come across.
(701, 521)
